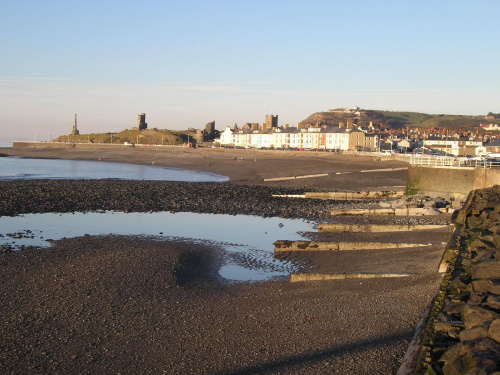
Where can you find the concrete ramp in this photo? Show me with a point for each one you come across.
(410, 211)
(374, 228)
(295, 277)
(356, 196)
(284, 245)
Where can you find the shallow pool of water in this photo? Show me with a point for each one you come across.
(247, 241)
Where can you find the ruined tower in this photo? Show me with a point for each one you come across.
(141, 121)
(75, 128)
(209, 132)
(271, 122)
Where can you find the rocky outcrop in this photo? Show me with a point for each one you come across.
(463, 333)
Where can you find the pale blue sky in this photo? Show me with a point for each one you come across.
(185, 63)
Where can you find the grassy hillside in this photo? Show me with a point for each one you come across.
(395, 119)
(148, 136)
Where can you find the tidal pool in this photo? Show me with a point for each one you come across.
(246, 241)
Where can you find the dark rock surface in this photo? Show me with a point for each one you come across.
(463, 335)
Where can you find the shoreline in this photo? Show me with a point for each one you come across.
(251, 167)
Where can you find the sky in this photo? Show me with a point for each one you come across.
(185, 63)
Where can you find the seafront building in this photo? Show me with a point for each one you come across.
(455, 145)
(315, 138)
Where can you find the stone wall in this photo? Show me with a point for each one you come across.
(54, 145)
(463, 332)
(107, 146)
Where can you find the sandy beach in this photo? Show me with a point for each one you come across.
(251, 167)
(128, 305)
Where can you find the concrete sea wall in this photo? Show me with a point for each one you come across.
(454, 182)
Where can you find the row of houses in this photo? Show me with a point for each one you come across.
(340, 138)
(343, 138)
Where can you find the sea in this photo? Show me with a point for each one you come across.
(25, 168)
(245, 241)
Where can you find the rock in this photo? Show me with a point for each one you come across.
(473, 316)
(461, 218)
(493, 302)
(475, 299)
(441, 203)
(453, 308)
(475, 333)
(448, 328)
(495, 214)
(475, 222)
(456, 286)
(463, 357)
(494, 330)
(485, 346)
(429, 204)
(486, 286)
(486, 270)
(479, 243)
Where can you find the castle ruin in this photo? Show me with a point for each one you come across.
(271, 122)
(141, 121)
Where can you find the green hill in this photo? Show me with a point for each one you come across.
(135, 136)
(399, 119)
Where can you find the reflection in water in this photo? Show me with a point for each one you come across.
(246, 240)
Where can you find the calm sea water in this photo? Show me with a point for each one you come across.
(22, 168)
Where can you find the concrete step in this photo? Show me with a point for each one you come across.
(410, 211)
(375, 228)
(295, 277)
(284, 245)
(353, 196)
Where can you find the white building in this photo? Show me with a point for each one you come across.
(458, 146)
(329, 138)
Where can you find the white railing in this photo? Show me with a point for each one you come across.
(450, 161)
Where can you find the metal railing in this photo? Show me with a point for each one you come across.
(450, 161)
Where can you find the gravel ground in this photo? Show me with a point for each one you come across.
(42, 196)
(130, 305)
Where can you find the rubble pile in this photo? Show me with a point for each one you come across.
(463, 334)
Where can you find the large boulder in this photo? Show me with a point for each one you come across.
(485, 286)
(473, 316)
(488, 269)
(494, 330)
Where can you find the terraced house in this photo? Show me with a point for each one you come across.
(315, 138)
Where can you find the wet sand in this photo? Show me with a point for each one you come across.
(128, 305)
